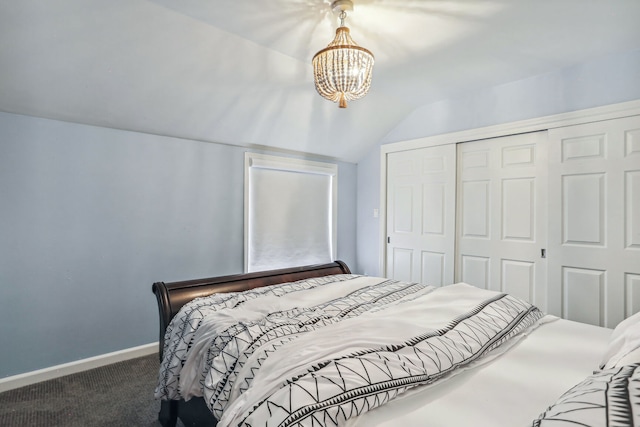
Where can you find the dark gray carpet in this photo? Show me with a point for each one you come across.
(120, 394)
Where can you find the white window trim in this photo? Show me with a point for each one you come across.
(287, 164)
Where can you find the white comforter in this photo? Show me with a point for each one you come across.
(181, 332)
(331, 349)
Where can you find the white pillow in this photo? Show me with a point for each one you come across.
(624, 344)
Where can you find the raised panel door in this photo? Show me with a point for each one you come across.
(421, 215)
(502, 215)
(594, 237)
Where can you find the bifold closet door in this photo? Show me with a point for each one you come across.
(594, 239)
(502, 216)
(421, 215)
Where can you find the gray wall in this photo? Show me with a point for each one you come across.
(605, 81)
(90, 217)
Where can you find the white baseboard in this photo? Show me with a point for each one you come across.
(28, 378)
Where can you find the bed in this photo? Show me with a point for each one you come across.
(317, 345)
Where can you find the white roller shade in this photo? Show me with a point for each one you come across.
(289, 212)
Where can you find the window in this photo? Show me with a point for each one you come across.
(290, 212)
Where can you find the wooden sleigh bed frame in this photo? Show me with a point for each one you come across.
(172, 296)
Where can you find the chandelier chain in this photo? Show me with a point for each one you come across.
(342, 16)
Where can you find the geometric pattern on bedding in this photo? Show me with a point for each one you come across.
(337, 389)
(182, 328)
(283, 327)
(608, 398)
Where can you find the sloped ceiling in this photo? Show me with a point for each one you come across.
(239, 71)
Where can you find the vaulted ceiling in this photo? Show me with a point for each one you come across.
(239, 71)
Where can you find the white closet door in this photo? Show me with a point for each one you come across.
(421, 214)
(594, 243)
(502, 215)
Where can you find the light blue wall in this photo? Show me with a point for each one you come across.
(605, 81)
(368, 225)
(90, 217)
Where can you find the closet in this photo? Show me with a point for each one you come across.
(550, 215)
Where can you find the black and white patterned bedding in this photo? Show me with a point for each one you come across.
(608, 398)
(322, 362)
(182, 329)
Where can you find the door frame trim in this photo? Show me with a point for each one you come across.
(607, 112)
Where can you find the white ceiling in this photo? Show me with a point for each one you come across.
(239, 71)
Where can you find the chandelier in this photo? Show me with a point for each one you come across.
(342, 70)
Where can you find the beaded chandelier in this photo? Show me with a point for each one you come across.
(342, 71)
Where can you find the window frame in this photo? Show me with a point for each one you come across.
(297, 166)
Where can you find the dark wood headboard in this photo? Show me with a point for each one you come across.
(172, 296)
